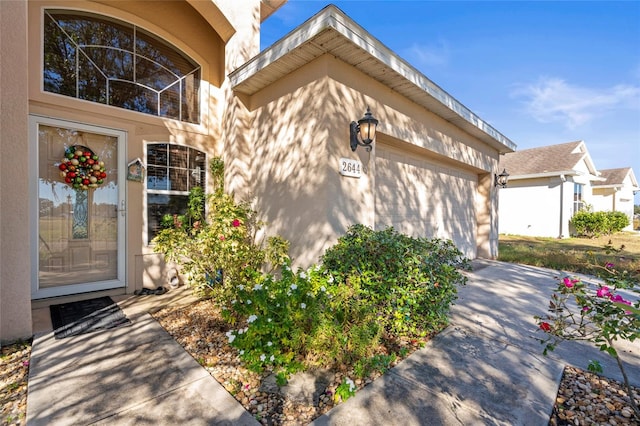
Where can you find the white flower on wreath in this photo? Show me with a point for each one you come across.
(252, 318)
(293, 286)
(257, 287)
(303, 305)
(263, 357)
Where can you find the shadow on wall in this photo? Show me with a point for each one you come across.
(289, 166)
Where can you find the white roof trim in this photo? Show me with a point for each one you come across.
(333, 19)
(556, 173)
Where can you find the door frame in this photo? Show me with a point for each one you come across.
(120, 282)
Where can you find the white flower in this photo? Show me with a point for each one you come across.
(240, 287)
(263, 357)
(303, 275)
(230, 336)
(242, 352)
(293, 286)
(271, 358)
(240, 331)
(323, 289)
(248, 302)
(352, 386)
(303, 305)
(252, 318)
(268, 319)
(234, 301)
(286, 268)
(330, 279)
(257, 287)
(245, 329)
(269, 343)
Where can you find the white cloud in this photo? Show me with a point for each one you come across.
(554, 100)
(422, 55)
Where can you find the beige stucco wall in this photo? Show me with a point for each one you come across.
(299, 133)
(144, 267)
(15, 264)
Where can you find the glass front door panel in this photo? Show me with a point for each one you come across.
(78, 228)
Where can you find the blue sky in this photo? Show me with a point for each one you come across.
(541, 72)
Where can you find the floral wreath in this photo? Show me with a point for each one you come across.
(81, 168)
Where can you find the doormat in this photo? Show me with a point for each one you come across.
(86, 316)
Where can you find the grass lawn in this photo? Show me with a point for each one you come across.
(582, 255)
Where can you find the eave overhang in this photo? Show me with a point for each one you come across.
(559, 174)
(332, 32)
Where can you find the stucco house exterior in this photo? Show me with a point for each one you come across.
(548, 184)
(151, 94)
(615, 193)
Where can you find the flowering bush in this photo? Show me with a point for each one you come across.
(281, 317)
(372, 286)
(219, 251)
(598, 314)
(300, 319)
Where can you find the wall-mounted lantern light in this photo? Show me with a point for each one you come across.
(363, 132)
(501, 179)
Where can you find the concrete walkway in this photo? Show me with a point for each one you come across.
(486, 368)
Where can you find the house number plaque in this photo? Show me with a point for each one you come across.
(350, 168)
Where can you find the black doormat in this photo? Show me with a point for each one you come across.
(72, 319)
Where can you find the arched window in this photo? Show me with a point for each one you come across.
(103, 60)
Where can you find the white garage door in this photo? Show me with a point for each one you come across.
(419, 197)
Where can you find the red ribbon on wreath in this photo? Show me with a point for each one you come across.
(81, 168)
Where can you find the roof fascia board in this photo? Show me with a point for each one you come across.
(544, 175)
(333, 19)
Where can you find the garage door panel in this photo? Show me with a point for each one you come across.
(421, 198)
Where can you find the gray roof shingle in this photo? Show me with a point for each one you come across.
(546, 159)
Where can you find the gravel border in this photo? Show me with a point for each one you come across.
(583, 398)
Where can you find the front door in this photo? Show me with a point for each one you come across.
(78, 209)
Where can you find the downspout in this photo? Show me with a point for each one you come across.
(563, 179)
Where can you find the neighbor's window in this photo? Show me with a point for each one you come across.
(172, 170)
(104, 60)
(578, 203)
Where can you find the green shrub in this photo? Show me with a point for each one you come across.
(371, 286)
(409, 282)
(594, 224)
(300, 319)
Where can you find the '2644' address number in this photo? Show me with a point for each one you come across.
(351, 168)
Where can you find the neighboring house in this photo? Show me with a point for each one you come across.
(155, 90)
(547, 185)
(615, 193)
